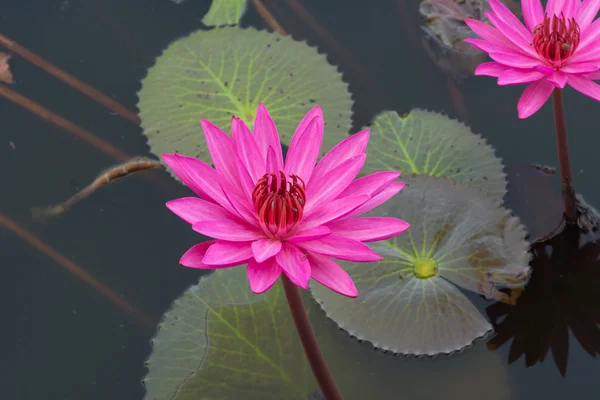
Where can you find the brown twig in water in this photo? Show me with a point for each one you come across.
(60, 122)
(76, 270)
(70, 80)
(120, 171)
(268, 17)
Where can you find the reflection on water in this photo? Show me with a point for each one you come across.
(563, 294)
(65, 341)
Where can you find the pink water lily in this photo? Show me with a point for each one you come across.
(291, 217)
(554, 48)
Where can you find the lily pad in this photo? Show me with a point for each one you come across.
(427, 143)
(228, 71)
(410, 302)
(221, 341)
(225, 12)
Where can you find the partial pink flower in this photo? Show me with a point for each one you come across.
(554, 48)
(293, 217)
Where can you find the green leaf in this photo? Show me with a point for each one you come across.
(228, 71)
(427, 143)
(407, 303)
(221, 341)
(225, 12)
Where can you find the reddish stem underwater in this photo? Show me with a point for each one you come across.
(309, 342)
(566, 175)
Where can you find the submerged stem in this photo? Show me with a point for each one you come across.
(309, 342)
(568, 190)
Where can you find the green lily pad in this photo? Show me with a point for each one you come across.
(225, 12)
(228, 71)
(221, 341)
(408, 303)
(427, 143)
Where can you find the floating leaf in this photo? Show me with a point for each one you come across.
(228, 71)
(427, 143)
(221, 341)
(408, 303)
(225, 12)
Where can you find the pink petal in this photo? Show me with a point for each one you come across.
(265, 135)
(488, 47)
(221, 148)
(294, 264)
(314, 112)
(585, 86)
(224, 254)
(564, 7)
(588, 43)
(244, 177)
(272, 164)
(328, 273)
(333, 210)
(594, 76)
(244, 208)
(490, 69)
(203, 177)
(533, 98)
(341, 248)
(533, 13)
(228, 230)
(512, 28)
(370, 184)
(515, 60)
(514, 31)
(544, 69)
(348, 148)
(580, 68)
(173, 162)
(247, 150)
(303, 153)
(488, 32)
(585, 14)
(378, 199)
(263, 249)
(262, 276)
(558, 79)
(193, 209)
(517, 77)
(305, 234)
(369, 229)
(333, 183)
(193, 257)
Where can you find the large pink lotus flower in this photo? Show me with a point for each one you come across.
(291, 217)
(555, 48)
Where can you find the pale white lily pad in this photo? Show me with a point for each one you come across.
(221, 341)
(409, 302)
(428, 143)
(227, 71)
(225, 12)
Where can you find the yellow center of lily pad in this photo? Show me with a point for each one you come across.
(425, 268)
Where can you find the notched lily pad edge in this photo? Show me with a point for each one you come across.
(483, 140)
(392, 353)
(319, 52)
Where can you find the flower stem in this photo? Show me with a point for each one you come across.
(309, 342)
(568, 190)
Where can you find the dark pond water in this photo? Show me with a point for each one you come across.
(63, 338)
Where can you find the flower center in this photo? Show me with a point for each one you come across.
(279, 201)
(425, 268)
(556, 39)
